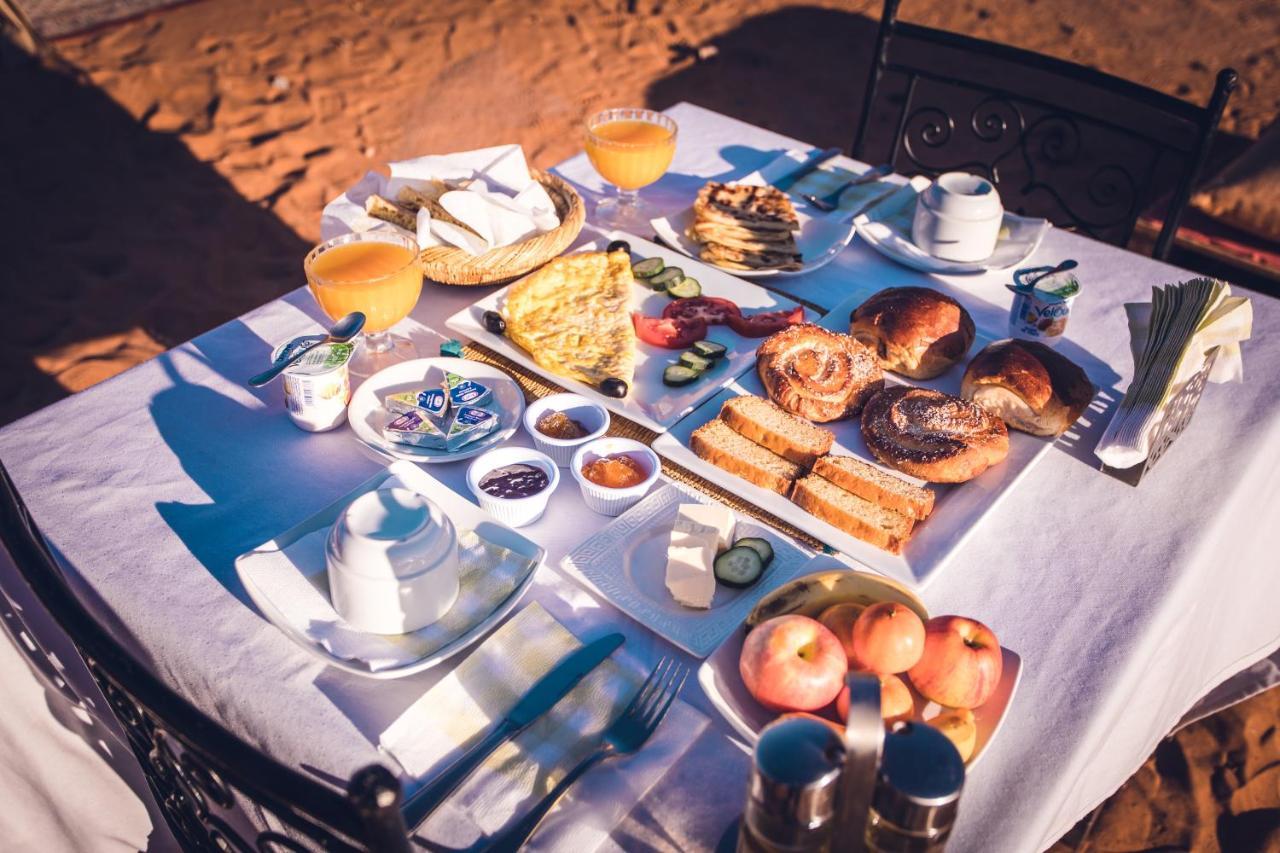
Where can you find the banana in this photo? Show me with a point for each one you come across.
(812, 594)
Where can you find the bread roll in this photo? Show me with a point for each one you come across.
(914, 331)
(817, 373)
(1027, 385)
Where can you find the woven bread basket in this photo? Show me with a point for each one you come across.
(450, 265)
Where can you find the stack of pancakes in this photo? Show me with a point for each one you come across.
(746, 228)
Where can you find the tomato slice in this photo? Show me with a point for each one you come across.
(766, 322)
(669, 332)
(713, 310)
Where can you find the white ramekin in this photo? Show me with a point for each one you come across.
(514, 512)
(589, 413)
(608, 501)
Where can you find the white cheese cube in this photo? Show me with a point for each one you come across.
(690, 578)
(711, 520)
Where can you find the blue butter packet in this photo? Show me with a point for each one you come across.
(433, 401)
(469, 424)
(466, 392)
(417, 429)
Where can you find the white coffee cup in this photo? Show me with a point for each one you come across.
(958, 218)
(393, 562)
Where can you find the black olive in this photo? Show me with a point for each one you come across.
(619, 246)
(493, 322)
(613, 387)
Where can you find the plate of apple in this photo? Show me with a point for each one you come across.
(795, 648)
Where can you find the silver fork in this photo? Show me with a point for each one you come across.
(626, 735)
(831, 200)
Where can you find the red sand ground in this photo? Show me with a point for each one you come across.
(182, 185)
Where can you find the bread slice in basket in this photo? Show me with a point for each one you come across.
(860, 518)
(716, 442)
(872, 484)
(768, 424)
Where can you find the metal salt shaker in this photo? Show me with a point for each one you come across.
(792, 797)
(917, 792)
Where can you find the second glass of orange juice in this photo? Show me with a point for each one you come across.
(630, 148)
(374, 272)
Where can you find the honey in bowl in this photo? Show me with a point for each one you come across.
(618, 471)
(560, 425)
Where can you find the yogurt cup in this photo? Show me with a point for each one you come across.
(606, 500)
(317, 388)
(593, 417)
(1042, 305)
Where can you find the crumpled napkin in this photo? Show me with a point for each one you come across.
(493, 195)
(460, 709)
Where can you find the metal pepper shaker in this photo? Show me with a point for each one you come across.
(792, 797)
(917, 792)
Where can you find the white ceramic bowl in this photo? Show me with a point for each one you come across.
(603, 499)
(593, 416)
(393, 562)
(958, 218)
(514, 512)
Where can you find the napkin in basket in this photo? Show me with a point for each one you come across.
(1170, 338)
(457, 711)
(295, 580)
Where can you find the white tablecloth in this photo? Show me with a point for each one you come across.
(1126, 605)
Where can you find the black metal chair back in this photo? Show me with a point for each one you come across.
(205, 779)
(1083, 149)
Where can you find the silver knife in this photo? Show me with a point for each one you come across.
(788, 180)
(542, 697)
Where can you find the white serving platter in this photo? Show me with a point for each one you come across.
(465, 516)
(720, 680)
(368, 416)
(626, 562)
(649, 403)
(958, 509)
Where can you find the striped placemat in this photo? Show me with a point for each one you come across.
(536, 386)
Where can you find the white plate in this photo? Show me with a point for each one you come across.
(626, 562)
(887, 229)
(957, 509)
(649, 403)
(368, 416)
(721, 681)
(465, 516)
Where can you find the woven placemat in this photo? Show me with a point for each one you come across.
(536, 386)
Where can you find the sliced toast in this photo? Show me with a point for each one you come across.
(767, 424)
(717, 443)
(859, 518)
(873, 484)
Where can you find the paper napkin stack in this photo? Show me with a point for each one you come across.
(1171, 337)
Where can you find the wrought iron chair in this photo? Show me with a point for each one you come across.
(204, 778)
(1084, 149)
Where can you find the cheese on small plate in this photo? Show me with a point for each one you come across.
(714, 521)
(690, 577)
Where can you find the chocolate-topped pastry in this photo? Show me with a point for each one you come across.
(915, 331)
(932, 435)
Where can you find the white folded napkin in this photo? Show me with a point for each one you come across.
(1191, 320)
(460, 709)
(295, 580)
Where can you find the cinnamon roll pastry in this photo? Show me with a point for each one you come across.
(816, 373)
(932, 435)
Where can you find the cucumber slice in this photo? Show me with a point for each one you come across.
(760, 546)
(647, 268)
(697, 362)
(677, 375)
(738, 567)
(685, 288)
(664, 279)
(709, 349)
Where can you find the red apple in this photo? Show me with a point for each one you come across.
(961, 664)
(839, 618)
(887, 638)
(895, 700)
(792, 663)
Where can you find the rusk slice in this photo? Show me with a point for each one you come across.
(379, 208)
(717, 443)
(768, 424)
(878, 486)
(862, 519)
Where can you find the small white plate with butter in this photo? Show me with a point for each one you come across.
(627, 563)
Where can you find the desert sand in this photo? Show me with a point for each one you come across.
(178, 183)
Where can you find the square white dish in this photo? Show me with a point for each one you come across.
(957, 508)
(649, 403)
(720, 679)
(465, 516)
(626, 562)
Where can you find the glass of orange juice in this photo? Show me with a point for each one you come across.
(630, 148)
(376, 273)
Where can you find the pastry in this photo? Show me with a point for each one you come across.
(816, 373)
(1028, 385)
(766, 424)
(860, 518)
(878, 486)
(573, 316)
(717, 443)
(379, 208)
(763, 208)
(745, 227)
(932, 435)
(914, 331)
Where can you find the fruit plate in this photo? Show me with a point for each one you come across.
(649, 403)
(957, 508)
(368, 415)
(720, 680)
(626, 563)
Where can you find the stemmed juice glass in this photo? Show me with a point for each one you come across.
(630, 148)
(377, 273)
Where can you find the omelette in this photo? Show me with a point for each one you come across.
(573, 316)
